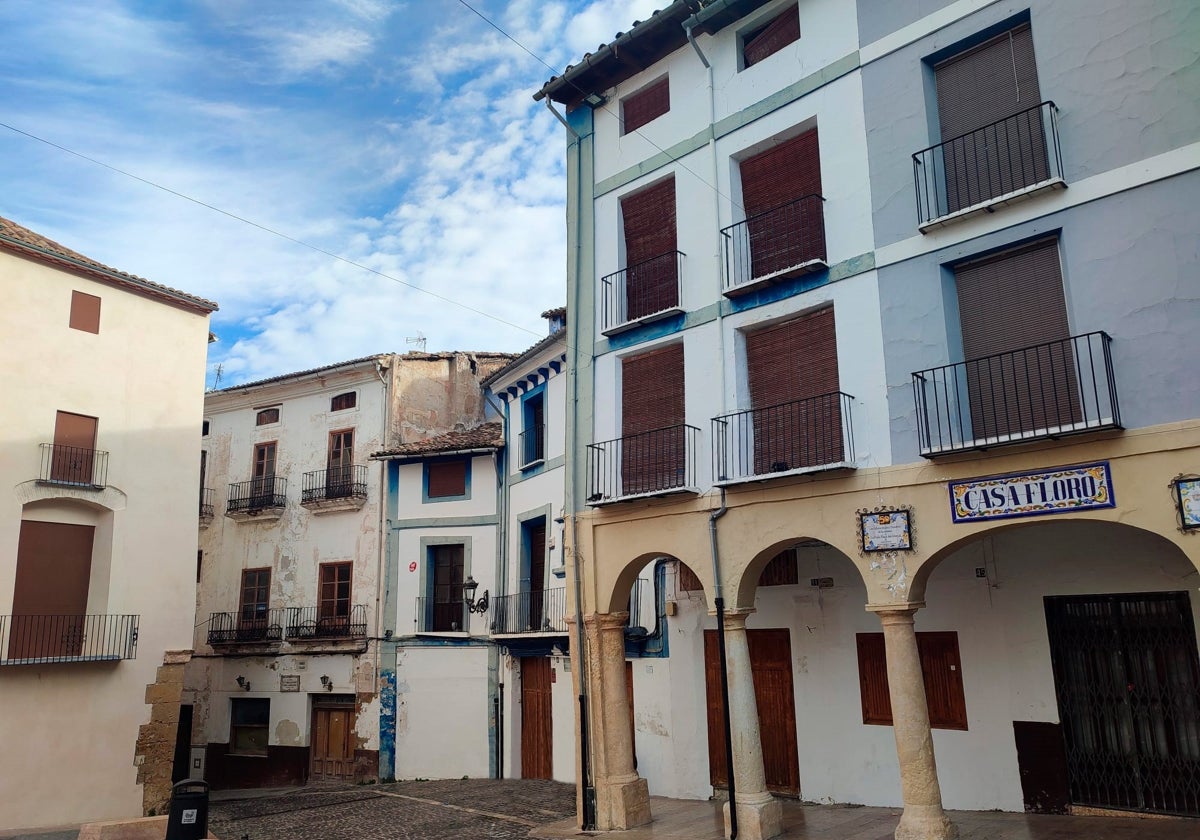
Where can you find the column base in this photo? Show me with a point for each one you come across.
(758, 819)
(925, 823)
(622, 805)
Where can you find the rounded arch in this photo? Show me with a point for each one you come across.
(618, 596)
(107, 498)
(745, 587)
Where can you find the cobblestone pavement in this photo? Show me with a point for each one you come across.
(460, 809)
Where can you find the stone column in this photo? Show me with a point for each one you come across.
(759, 815)
(923, 817)
(622, 797)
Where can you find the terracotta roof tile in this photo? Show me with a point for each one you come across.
(487, 436)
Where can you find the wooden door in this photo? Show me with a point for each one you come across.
(54, 567)
(74, 448)
(537, 724)
(771, 668)
(338, 476)
(333, 741)
(537, 574)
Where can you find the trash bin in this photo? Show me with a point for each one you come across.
(188, 818)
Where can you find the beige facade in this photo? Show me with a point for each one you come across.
(89, 696)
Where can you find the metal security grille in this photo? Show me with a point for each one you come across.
(1128, 681)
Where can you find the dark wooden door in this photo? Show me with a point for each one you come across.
(333, 741)
(54, 567)
(537, 574)
(771, 667)
(447, 588)
(537, 723)
(74, 448)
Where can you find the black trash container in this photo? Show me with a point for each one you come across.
(188, 819)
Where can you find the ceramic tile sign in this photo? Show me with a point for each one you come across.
(887, 530)
(289, 682)
(1187, 492)
(1059, 490)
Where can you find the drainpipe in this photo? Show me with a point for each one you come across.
(719, 602)
(501, 466)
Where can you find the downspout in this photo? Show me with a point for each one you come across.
(719, 602)
(383, 563)
(501, 467)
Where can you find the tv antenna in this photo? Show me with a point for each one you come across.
(217, 376)
(419, 340)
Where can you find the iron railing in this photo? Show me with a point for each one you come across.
(348, 482)
(338, 621)
(541, 611)
(987, 164)
(206, 502)
(804, 435)
(642, 292)
(645, 464)
(532, 445)
(73, 465)
(257, 494)
(776, 244)
(432, 616)
(1045, 391)
(41, 639)
(229, 628)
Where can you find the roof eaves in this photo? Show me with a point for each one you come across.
(523, 359)
(299, 374)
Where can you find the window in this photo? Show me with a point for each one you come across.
(447, 479)
(339, 477)
(50, 591)
(647, 104)
(256, 593)
(447, 601)
(74, 458)
(204, 429)
(333, 598)
(940, 667)
(85, 312)
(651, 266)
(344, 401)
(781, 571)
(266, 416)
(771, 37)
(199, 564)
(250, 721)
(654, 446)
(533, 433)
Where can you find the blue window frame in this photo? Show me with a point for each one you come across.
(446, 480)
(532, 445)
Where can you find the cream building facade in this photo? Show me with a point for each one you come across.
(880, 320)
(100, 428)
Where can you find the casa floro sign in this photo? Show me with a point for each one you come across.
(1059, 490)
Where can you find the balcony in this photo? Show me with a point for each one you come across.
(338, 488)
(642, 293)
(777, 245)
(532, 447)
(261, 498)
(434, 616)
(793, 438)
(206, 506)
(1050, 390)
(530, 612)
(315, 623)
(46, 639)
(654, 463)
(72, 466)
(231, 628)
(1007, 161)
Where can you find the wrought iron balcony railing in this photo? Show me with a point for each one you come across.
(433, 616)
(348, 482)
(795, 437)
(541, 611)
(73, 465)
(230, 628)
(1045, 391)
(532, 445)
(206, 503)
(784, 242)
(257, 494)
(40, 639)
(645, 464)
(337, 621)
(643, 292)
(1007, 159)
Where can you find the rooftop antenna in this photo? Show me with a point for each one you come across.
(217, 376)
(419, 340)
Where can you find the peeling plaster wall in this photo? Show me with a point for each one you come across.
(433, 392)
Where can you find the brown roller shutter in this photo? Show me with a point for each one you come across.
(994, 81)
(770, 39)
(784, 232)
(74, 448)
(647, 104)
(651, 276)
(793, 375)
(652, 401)
(85, 312)
(872, 679)
(781, 571)
(50, 589)
(447, 478)
(1013, 303)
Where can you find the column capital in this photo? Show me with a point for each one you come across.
(742, 612)
(606, 621)
(895, 613)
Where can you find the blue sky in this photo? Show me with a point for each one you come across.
(401, 135)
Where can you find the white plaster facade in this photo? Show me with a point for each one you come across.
(73, 725)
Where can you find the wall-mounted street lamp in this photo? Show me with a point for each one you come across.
(328, 683)
(469, 588)
(243, 683)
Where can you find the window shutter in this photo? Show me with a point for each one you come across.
(872, 679)
(647, 104)
(651, 275)
(784, 232)
(783, 30)
(446, 478)
(344, 401)
(987, 83)
(652, 398)
(85, 312)
(942, 669)
(781, 571)
(687, 582)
